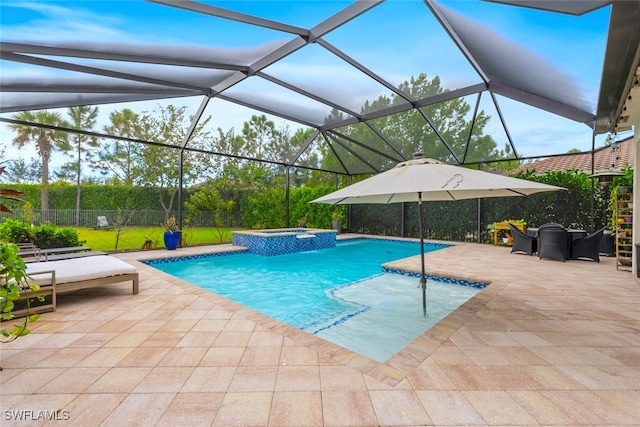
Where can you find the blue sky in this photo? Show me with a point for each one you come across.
(397, 39)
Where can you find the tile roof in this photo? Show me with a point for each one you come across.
(603, 160)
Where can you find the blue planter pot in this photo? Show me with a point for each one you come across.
(171, 239)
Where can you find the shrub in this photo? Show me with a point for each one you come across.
(44, 236)
(15, 231)
(69, 237)
(48, 236)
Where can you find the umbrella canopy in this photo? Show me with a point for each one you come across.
(427, 179)
(434, 181)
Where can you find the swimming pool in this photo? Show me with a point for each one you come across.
(326, 292)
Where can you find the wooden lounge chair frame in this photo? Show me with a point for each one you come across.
(51, 284)
(59, 257)
(89, 283)
(83, 284)
(44, 291)
(52, 289)
(35, 254)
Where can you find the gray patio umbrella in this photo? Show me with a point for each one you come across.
(422, 179)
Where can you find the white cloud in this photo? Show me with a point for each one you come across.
(60, 23)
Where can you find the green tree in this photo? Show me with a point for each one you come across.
(409, 132)
(208, 198)
(24, 172)
(45, 140)
(310, 158)
(224, 142)
(240, 180)
(21, 170)
(161, 165)
(264, 209)
(505, 166)
(79, 146)
(260, 137)
(121, 159)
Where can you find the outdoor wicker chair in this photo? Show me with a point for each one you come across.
(588, 247)
(553, 242)
(522, 242)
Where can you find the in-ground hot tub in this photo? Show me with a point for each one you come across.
(284, 240)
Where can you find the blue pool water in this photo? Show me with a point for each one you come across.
(335, 293)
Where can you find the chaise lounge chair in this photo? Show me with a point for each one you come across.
(103, 224)
(34, 254)
(80, 273)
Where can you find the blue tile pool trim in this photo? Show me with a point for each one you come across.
(244, 251)
(315, 327)
(443, 279)
(284, 241)
(191, 257)
(341, 318)
(405, 242)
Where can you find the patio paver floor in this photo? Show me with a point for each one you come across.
(547, 343)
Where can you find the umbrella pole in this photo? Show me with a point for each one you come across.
(423, 278)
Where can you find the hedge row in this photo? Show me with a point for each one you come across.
(581, 206)
(94, 197)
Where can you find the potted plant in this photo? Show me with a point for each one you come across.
(624, 183)
(171, 233)
(502, 233)
(336, 221)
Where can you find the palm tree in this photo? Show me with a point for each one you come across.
(45, 140)
(79, 146)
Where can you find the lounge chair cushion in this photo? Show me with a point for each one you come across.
(82, 269)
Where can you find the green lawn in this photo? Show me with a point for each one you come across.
(133, 238)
